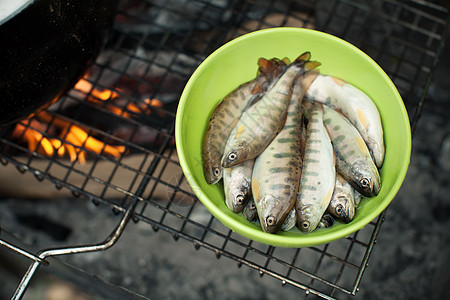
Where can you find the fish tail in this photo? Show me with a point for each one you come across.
(286, 60)
(266, 66)
(304, 57)
(310, 65)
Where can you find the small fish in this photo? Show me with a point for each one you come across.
(290, 221)
(318, 174)
(237, 183)
(353, 160)
(357, 106)
(342, 204)
(277, 170)
(326, 221)
(260, 123)
(250, 212)
(228, 112)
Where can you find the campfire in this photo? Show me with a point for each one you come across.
(73, 141)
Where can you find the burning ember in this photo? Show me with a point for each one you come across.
(98, 96)
(73, 141)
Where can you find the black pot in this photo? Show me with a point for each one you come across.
(46, 47)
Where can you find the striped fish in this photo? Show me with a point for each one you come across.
(342, 204)
(357, 106)
(237, 183)
(259, 124)
(353, 160)
(318, 174)
(277, 170)
(228, 112)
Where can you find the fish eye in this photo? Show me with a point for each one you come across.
(339, 209)
(305, 225)
(252, 206)
(365, 183)
(239, 199)
(270, 220)
(216, 171)
(232, 156)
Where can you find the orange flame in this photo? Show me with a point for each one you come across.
(106, 95)
(86, 87)
(73, 141)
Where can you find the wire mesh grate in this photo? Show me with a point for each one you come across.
(128, 103)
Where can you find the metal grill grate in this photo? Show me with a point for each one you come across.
(154, 48)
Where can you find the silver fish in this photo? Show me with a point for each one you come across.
(318, 174)
(237, 183)
(357, 106)
(342, 204)
(353, 160)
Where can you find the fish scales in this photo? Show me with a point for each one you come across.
(353, 159)
(318, 174)
(227, 114)
(277, 170)
(259, 124)
(357, 106)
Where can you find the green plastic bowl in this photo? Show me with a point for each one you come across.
(235, 63)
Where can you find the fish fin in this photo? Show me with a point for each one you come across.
(338, 81)
(310, 65)
(304, 57)
(255, 190)
(263, 63)
(286, 60)
(266, 66)
(239, 131)
(327, 198)
(361, 144)
(277, 61)
(362, 118)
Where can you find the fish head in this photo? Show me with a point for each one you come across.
(271, 213)
(213, 172)
(308, 218)
(239, 195)
(250, 212)
(342, 207)
(326, 221)
(367, 179)
(236, 155)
